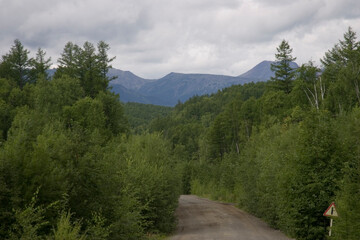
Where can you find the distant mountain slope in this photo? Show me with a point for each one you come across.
(262, 71)
(129, 95)
(176, 87)
(126, 79)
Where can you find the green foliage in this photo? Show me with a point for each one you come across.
(15, 65)
(286, 175)
(150, 165)
(342, 74)
(87, 65)
(28, 222)
(5, 119)
(67, 140)
(39, 65)
(140, 115)
(51, 96)
(346, 226)
(284, 74)
(65, 229)
(98, 230)
(308, 87)
(319, 163)
(115, 120)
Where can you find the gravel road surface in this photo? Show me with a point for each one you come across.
(204, 219)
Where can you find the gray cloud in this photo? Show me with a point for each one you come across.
(152, 38)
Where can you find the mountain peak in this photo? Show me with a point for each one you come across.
(127, 79)
(172, 74)
(262, 71)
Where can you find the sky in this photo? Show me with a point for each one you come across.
(152, 38)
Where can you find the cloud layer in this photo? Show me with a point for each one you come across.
(153, 38)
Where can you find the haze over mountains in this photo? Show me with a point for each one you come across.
(175, 87)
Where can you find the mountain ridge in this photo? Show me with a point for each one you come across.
(175, 87)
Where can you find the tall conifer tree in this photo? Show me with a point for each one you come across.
(16, 64)
(284, 73)
(39, 65)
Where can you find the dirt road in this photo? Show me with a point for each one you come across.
(204, 219)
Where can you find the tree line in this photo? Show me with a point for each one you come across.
(70, 168)
(283, 149)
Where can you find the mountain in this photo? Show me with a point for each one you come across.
(176, 87)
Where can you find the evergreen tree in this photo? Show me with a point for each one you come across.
(67, 61)
(88, 72)
(39, 66)
(16, 64)
(284, 73)
(342, 73)
(342, 53)
(103, 59)
(87, 65)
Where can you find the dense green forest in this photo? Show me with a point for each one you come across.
(75, 163)
(69, 166)
(140, 115)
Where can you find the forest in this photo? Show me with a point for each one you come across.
(75, 163)
(70, 168)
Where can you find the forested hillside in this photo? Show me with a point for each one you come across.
(284, 149)
(69, 166)
(140, 115)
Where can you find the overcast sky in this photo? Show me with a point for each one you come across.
(154, 37)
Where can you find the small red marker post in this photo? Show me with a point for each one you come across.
(331, 212)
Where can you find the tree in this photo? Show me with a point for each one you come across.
(341, 53)
(103, 59)
(312, 84)
(16, 64)
(67, 61)
(87, 65)
(39, 66)
(284, 73)
(88, 72)
(115, 120)
(342, 71)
